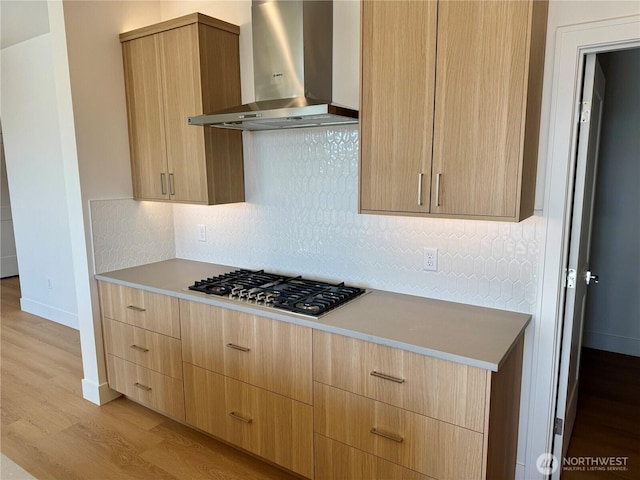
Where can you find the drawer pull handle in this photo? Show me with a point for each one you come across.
(386, 377)
(239, 417)
(238, 347)
(142, 387)
(136, 309)
(139, 348)
(390, 436)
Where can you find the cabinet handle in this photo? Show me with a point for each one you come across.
(420, 189)
(142, 387)
(386, 377)
(171, 190)
(136, 309)
(238, 347)
(139, 348)
(163, 189)
(438, 176)
(390, 436)
(240, 417)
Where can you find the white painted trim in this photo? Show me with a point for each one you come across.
(48, 312)
(612, 343)
(98, 394)
(572, 43)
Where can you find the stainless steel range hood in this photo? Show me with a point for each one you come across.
(292, 57)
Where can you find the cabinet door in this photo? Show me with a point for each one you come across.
(183, 97)
(272, 426)
(146, 118)
(480, 102)
(396, 115)
(267, 353)
(433, 448)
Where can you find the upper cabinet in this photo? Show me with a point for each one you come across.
(175, 69)
(450, 107)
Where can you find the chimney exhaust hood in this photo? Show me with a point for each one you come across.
(292, 62)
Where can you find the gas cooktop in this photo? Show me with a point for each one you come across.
(293, 294)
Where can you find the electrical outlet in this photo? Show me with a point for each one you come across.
(430, 259)
(202, 233)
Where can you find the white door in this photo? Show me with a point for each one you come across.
(579, 246)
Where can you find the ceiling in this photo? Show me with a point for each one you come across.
(21, 20)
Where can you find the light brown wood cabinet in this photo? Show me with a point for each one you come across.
(437, 418)
(319, 404)
(173, 70)
(272, 426)
(142, 345)
(266, 353)
(450, 107)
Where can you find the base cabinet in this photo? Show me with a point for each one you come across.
(336, 460)
(272, 426)
(321, 405)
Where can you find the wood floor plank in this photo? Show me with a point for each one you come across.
(608, 416)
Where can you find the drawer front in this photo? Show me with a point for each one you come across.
(269, 425)
(150, 388)
(336, 460)
(444, 390)
(151, 311)
(157, 352)
(437, 449)
(266, 353)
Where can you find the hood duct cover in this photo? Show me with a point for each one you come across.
(292, 52)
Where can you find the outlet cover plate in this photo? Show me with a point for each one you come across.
(430, 261)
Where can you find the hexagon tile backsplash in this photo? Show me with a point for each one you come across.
(300, 217)
(127, 233)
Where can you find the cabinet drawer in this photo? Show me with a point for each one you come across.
(151, 311)
(158, 391)
(444, 390)
(272, 426)
(266, 353)
(157, 352)
(431, 447)
(336, 460)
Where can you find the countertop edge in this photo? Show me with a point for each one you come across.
(317, 324)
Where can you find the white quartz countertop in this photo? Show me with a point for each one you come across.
(467, 334)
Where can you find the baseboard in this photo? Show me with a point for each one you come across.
(8, 266)
(48, 312)
(612, 343)
(520, 471)
(98, 393)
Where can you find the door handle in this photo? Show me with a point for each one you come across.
(589, 277)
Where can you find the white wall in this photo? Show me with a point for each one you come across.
(8, 258)
(37, 185)
(92, 113)
(613, 306)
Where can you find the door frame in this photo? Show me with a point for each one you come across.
(572, 44)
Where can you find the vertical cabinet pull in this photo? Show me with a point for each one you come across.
(139, 348)
(142, 387)
(163, 188)
(438, 177)
(171, 190)
(240, 417)
(390, 436)
(238, 347)
(136, 309)
(386, 377)
(420, 189)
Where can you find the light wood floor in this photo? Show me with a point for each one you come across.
(53, 433)
(608, 415)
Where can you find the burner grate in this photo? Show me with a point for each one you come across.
(293, 294)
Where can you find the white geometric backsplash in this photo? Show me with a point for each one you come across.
(127, 233)
(300, 217)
